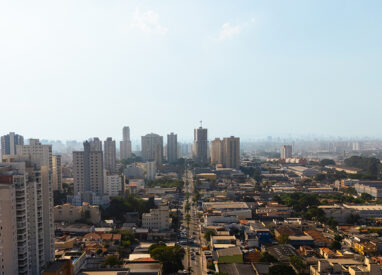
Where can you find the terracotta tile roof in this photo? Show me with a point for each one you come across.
(117, 237)
(107, 236)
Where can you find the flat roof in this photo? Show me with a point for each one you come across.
(377, 207)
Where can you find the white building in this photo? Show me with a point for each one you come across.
(112, 184)
(151, 170)
(157, 219)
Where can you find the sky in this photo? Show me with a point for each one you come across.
(79, 69)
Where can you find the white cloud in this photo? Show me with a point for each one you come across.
(228, 30)
(147, 22)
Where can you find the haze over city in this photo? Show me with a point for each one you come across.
(248, 68)
(158, 137)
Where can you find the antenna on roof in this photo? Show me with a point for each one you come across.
(201, 124)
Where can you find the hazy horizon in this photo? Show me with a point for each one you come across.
(74, 70)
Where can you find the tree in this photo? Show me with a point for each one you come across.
(175, 220)
(112, 261)
(208, 234)
(281, 269)
(325, 162)
(353, 218)
(297, 262)
(336, 245)
(170, 256)
(366, 197)
(283, 239)
(267, 258)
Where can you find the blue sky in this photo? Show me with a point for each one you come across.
(77, 69)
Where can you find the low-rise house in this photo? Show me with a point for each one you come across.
(281, 252)
(300, 240)
(319, 239)
(220, 242)
(345, 266)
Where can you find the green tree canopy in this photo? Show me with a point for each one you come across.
(170, 256)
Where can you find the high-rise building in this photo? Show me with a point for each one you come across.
(88, 171)
(39, 156)
(172, 148)
(151, 170)
(110, 155)
(9, 143)
(231, 152)
(286, 151)
(125, 144)
(216, 151)
(95, 144)
(152, 148)
(201, 145)
(56, 172)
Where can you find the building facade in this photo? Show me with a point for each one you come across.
(9, 143)
(110, 155)
(286, 152)
(39, 156)
(125, 144)
(216, 152)
(231, 152)
(88, 171)
(152, 148)
(23, 217)
(200, 145)
(56, 172)
(157, 219)
(112, 184)
(172, 148)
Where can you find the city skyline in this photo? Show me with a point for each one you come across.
(264, 65)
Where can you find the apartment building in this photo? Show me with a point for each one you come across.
(158, 219)
(56, 172)
(26, 242)
(112, 184)
(110, 155)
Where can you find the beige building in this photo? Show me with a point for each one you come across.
(345, 266)
(110, 155)
(216, 152)
(40, 157)
(9, 256)
(157, 219)
(22, 217)
(56, 172)
(152, 148)
(286, 151)
(231, 152)
(88, 170)
(70, 213)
